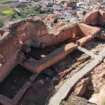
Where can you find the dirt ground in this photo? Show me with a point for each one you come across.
(11, 85)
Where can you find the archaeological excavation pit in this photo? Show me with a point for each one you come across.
(14, 81)
(60, 71)
(36, 64)
(40, 53)
(51, 79)
(95, 46)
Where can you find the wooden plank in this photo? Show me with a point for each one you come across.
(63, 91)
(92, 55)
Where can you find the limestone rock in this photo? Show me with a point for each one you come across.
(74, 100)
(81, 87)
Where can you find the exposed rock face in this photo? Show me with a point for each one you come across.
(74, 100)
(1, 32)
(98, 80)
(99, 98)
(95, 18)
(81, 87)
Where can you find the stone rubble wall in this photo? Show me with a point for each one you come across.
(14, 35)
(95, 18)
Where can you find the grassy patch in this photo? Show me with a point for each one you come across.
(5, 1)
(28, 11)
(7, 12)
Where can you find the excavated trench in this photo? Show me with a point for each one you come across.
(89, 91)
(14, 81)
(51, 79)
(48, 67)
(45, 83)
(39, 53)
(95, 46)
(19, 76)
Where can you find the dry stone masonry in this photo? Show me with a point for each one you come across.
(17, 38)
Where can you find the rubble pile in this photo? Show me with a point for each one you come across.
(61, 12)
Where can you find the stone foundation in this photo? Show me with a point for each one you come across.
(34, 32)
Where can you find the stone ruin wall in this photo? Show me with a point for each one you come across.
(34, 32)
(95, 18)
